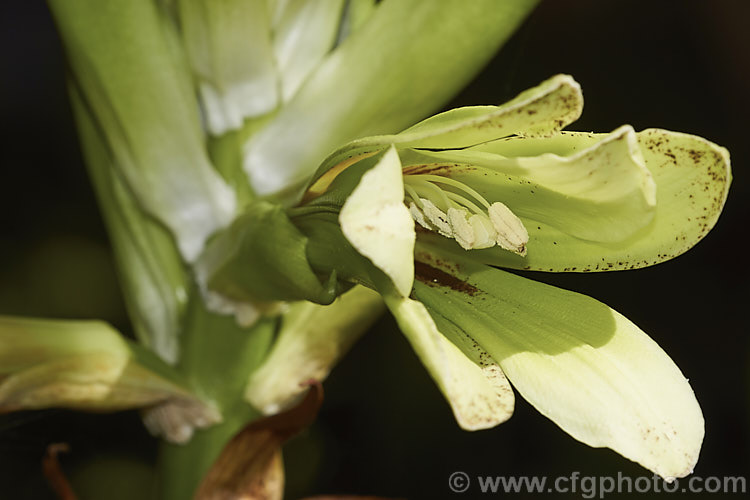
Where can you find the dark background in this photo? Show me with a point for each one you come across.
(384, 428)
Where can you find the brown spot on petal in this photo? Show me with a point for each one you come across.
(443, 169)
(433, 276)
(696, 155)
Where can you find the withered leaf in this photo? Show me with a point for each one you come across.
(250, 466)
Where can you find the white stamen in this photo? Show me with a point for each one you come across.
(511, 233)
(418, 216)
(462, 230)
(456, 216)
(484, 233)
(437, 217)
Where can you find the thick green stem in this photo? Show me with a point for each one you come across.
(217, 358)
(181, 468)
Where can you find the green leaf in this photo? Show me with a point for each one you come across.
(123, 58)
(229, 47)
(580, 363)
(406, 60)
(473, 384)
(692, 176)
(311, 341)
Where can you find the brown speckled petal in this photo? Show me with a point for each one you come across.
(692, 176)
(580, 363)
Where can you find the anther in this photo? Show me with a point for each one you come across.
(459, 212)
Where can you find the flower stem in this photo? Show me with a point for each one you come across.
(217, 358)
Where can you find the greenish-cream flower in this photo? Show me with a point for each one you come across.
(504, 186)
(202, 121)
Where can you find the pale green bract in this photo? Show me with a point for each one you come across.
(87, 365)
(311, 340)
(571, 202)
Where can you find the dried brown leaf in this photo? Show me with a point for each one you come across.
(250, 466)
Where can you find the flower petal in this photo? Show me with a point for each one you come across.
(476, 389)
(580, 363)
(406, 60)
(378, 225)
(602, 193)
(538, 111)
(692, 177)
(312, 339)
(541, 110)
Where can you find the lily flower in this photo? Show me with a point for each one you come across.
(426, 217)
